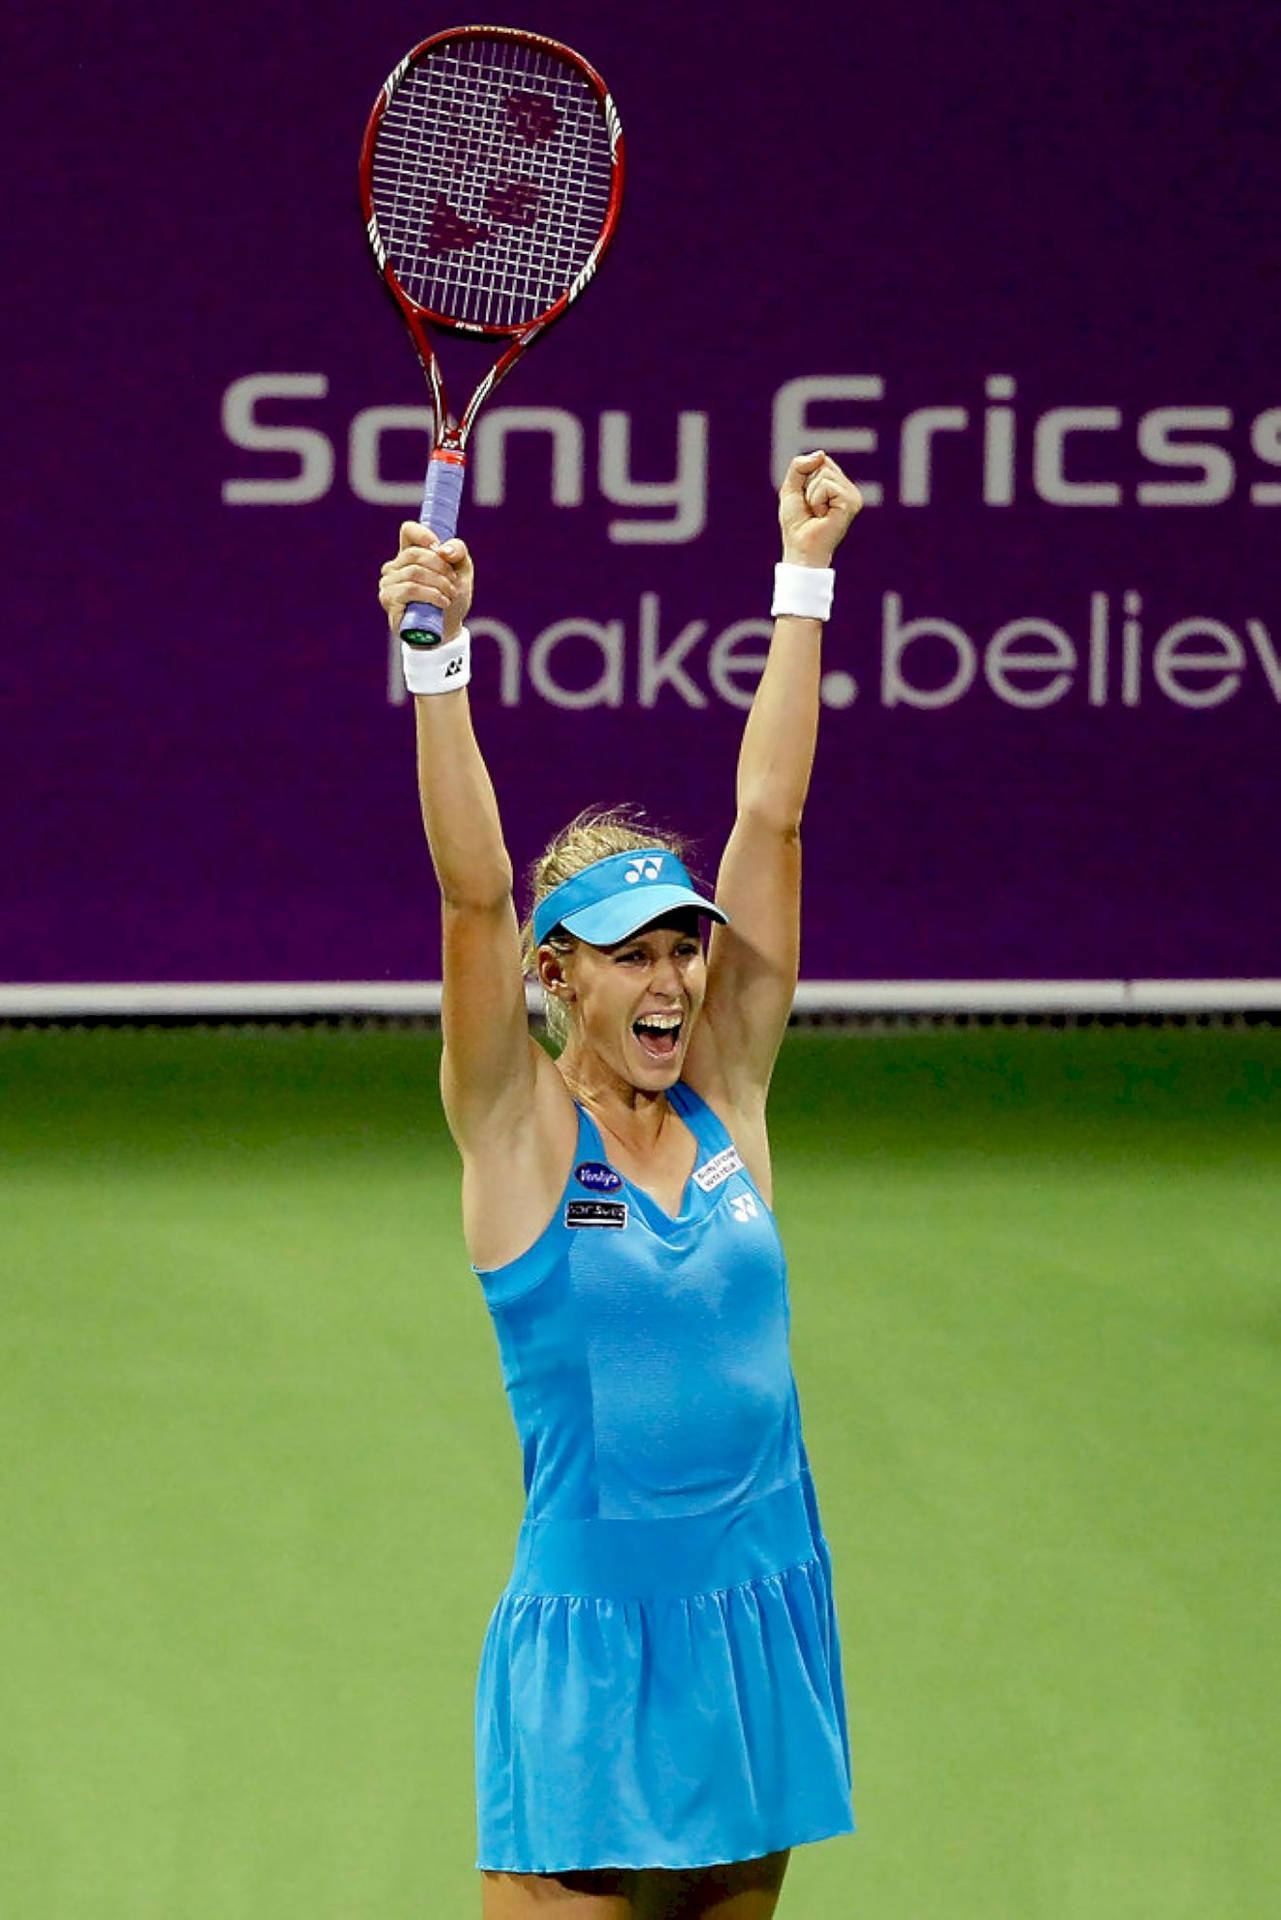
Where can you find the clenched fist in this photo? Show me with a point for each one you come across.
(816, 504)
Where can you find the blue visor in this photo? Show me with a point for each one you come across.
(613, 897)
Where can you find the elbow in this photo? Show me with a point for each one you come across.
(775, 814)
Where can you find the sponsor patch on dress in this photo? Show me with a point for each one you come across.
(597, 1176)
(714, 1172)
(596, 1213)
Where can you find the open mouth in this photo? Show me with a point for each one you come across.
(659, 1034)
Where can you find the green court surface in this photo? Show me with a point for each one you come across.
(260, 1486)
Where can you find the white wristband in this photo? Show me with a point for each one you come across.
(803, 591)
(440, 669)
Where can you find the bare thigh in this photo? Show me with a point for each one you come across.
(746, 1890)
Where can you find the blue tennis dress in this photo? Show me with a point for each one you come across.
(660, 1684)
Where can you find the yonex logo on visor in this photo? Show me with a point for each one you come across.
(609, 900)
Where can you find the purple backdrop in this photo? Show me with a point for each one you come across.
(1016, 266)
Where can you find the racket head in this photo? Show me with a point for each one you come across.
(491, 180)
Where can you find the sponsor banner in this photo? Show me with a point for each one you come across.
(1028, 319)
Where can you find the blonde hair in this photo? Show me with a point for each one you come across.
(591, 835)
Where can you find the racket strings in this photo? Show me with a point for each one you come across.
(491, 180)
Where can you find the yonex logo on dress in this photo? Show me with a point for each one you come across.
(646, 869)
(743, 1206)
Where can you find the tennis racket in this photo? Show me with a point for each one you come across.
(491, 179)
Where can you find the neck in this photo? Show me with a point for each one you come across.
(634, 1115)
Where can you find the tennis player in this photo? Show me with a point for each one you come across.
(659, 1714)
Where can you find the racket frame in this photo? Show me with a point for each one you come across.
(422, 625)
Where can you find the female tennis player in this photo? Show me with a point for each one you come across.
(659, 1714)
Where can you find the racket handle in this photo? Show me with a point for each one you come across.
(422, 625)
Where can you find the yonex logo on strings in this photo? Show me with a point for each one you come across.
(647, 869)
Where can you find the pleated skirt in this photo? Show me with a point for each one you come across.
(663, 1693)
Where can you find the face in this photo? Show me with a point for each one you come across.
(634, 1005)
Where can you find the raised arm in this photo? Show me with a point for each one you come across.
(487, 1075)
(753, 962)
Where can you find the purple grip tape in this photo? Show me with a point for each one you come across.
(421, 625)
